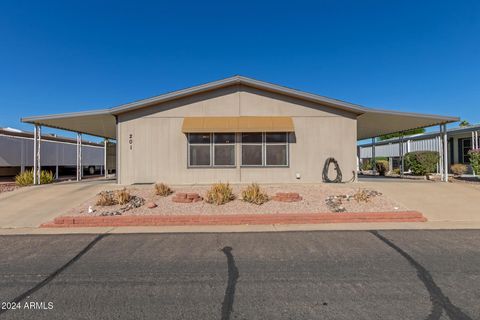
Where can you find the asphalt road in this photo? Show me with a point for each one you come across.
(291, 275)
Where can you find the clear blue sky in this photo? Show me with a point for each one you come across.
(421, 56)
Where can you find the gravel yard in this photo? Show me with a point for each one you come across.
(314, 201)
(7, 186)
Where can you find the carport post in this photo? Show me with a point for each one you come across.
(374, 167)
(37, 136)
(105, 144)
(400, 153)
(445, 152)
(79, 156)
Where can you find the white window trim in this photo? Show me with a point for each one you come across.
(264, 144)
(212, 152)
(234, 145)
(199, 144)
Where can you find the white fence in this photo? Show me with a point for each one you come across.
(393, 149)
(18, 152)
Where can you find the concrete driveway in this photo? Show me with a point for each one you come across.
(438, 201)
(32, 206)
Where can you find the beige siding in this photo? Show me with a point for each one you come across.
(159, 148)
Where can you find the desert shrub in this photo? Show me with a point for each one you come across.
(122, 196)
(366, 165)
(422, 162)
(254, 194)
(219, 193)
(46, 177)
(396, 171)
(382, 167)
(365, 195)
(110, 198)
(106, 198)
(475, 160)
(162, 189)
(458, 169)
(24, 178)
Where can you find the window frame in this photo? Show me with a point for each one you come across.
(189, 164)
(234, 145)
(287, 151)
(211, 145)
(465, 156)
(264, 145)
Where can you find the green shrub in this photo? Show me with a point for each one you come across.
(46, 177)
(458, 169)
(161, 189)
(26, 178)
(396, 171)
(421, 162)
(366, 165)
(382, 167)
(475, 160)
(219, 193)
(254, 194)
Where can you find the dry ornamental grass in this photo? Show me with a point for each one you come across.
(254, 194)
(219, 193)
(162, 190)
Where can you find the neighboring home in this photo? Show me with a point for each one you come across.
(237, 130)
(59, 153)
(460, 141)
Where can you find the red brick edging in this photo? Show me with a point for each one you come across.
(235, 219)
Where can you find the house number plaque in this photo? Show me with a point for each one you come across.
(130, 141)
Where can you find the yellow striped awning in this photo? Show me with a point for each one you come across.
(237, 124)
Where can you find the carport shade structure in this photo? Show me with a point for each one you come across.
(371, 123)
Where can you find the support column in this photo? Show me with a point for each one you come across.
(401, 153)
(445, 153)
(105, 146)
(439, 150)
(37, 136)
(374, 167)
(79, 157)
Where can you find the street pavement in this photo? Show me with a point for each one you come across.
(424, 274)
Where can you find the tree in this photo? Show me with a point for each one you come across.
(399, 134)
(464, 123)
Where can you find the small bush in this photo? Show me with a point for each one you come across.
(366, 165)
(219, 193)
(475, 160)
(422, 162)
(382, 167)
(122, 196)
(396, 171)
(106, 198)
(110, 198)
(46, 177)
(254, 195)
(458, 169)
(24, 179)
(162, 189)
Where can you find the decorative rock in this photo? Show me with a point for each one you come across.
(151, 205)
(186, 197)
(287, 197)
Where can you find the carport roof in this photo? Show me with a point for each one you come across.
(370, 122)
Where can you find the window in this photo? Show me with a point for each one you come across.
(224, 149)
(199, 149)
(265, 149)
(276, 145)
(252, 149)
(466, 146)
(203, 147)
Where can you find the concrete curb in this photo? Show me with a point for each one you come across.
(237, 219)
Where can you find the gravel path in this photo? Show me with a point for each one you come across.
(314, 197)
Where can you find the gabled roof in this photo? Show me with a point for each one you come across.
(371, 122)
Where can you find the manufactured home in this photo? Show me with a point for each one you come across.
(236, 130)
